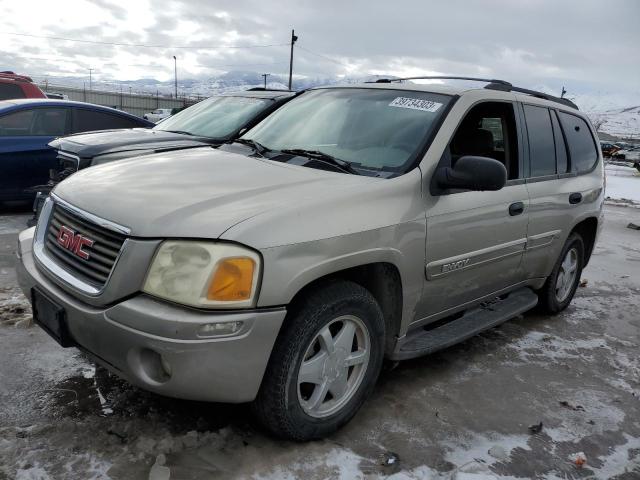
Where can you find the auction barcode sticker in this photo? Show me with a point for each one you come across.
(415, 104)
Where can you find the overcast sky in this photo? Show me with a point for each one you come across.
(587, 45)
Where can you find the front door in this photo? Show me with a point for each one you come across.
(475, 240)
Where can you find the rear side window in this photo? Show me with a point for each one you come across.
(89, 120)
(542, 150)
(10, 90)
(582, 147)
(45, 122)
(16, 124)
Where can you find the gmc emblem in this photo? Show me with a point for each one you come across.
(74, 242)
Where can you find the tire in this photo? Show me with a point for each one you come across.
(285, 405)
(550, 299)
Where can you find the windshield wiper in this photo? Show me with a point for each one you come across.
(179, 131)
(323, 157)
(258, 147)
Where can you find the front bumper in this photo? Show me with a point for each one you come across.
(141, 339)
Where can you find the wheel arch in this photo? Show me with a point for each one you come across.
(381, 279)
(588, 230)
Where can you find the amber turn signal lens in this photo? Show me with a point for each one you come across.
(233, 280)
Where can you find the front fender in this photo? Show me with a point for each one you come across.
(289, 268)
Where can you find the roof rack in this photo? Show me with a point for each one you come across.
(492, 84)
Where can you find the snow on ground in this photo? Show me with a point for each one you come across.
(623, 183)
(461, 414)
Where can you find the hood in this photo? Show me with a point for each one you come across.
(89, 145)
(199, 193)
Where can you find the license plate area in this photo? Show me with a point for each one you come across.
(51, 317)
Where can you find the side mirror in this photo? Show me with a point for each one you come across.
(473, 173)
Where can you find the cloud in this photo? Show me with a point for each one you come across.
(529, 42)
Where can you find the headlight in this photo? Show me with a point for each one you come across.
(204, 274)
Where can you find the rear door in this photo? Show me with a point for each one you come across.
(25, 157)
(561, 152)
(475, 240)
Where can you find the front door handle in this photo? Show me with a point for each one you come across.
(575, 198)
(516, 208)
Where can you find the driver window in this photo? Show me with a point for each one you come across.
(488, 130)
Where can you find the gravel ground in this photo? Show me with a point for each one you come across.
(463, 413)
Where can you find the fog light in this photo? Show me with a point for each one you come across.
(219, 329)
(155, 366)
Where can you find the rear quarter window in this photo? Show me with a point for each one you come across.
(582, 146)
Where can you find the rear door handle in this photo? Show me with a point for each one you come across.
(575, 198)
(516, 208)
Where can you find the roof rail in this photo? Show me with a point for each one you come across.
(492, 84)
(545, 96)
(431, 77)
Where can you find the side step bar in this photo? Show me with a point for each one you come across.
(488, 315)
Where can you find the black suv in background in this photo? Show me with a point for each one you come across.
(212, 122)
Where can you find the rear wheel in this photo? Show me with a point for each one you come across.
(325, 363)
(561, 285)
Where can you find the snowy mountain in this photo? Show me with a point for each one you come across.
(227, 82)
(620, 122)
(614, 113)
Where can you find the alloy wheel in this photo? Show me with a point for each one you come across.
(333, 366)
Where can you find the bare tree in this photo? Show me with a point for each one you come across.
(597, 120)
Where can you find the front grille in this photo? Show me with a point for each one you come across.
(102, 254)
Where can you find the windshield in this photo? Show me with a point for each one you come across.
(216, 117)
(369, 128)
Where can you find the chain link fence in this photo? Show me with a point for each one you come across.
(136, 103)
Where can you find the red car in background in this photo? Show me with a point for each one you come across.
(18, 86)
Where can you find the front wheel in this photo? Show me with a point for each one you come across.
(561, 285)
(325, 363)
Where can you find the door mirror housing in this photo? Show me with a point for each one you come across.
(472, 173)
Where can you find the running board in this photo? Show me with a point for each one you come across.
(488, 315)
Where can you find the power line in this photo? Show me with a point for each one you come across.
(146, 65)
(96, 42)
(323, 56)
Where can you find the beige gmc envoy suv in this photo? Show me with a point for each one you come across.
(356, 223)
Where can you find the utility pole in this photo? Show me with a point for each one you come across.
(265, 75)
(293, 40)
(175, 75)
(564, 92)
(90, 70)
